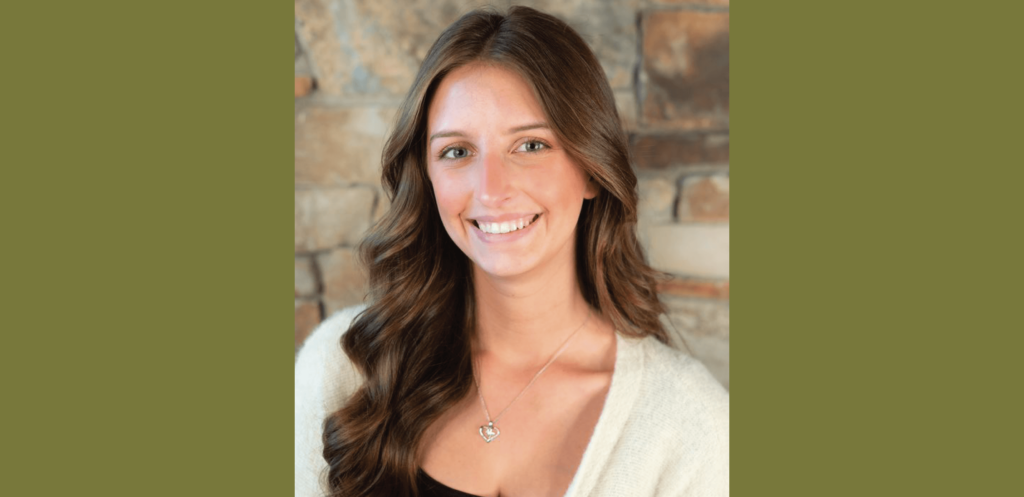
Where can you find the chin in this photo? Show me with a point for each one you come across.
(502, 269)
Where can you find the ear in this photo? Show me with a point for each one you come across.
(591, 189)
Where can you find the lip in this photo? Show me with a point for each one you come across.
(501, 238)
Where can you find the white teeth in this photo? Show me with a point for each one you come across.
(506, 226)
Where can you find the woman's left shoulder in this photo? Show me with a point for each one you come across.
(689, 409)
(669, 370)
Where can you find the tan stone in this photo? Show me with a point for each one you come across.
(344, 279)
(328, 217)
(657, 198)
(698, 250)
(704, 198)
(305, 277)
(315, 27)
(663, 151)
(303, 86)
(685, 69)
(307, 317)
(339, 146)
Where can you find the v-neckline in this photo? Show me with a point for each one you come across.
(618, 403)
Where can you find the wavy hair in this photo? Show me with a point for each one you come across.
(412, 342)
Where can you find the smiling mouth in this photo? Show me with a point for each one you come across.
(506, 226)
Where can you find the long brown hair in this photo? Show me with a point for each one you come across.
(412, 343)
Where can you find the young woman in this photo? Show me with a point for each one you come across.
(511, 344)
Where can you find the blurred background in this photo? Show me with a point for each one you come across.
(668, 64)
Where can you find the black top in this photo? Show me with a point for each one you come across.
(430, 487)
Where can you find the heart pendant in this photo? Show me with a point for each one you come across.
(489, 432)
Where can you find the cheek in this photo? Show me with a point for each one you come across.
(449, 197)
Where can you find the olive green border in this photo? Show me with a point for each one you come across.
(147, 200)
(875, 248)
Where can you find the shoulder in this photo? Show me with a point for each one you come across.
(669, 370)
(324, 380)
(321, 363)
(689, 410)
(678, 385)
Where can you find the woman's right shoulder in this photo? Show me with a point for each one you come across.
(324, 380)
(322, 366)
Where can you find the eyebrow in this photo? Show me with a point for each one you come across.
(517, 129)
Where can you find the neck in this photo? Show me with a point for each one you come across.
(522, 320)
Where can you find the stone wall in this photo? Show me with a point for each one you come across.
(668, 64)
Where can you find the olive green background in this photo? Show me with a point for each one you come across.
(146, 193)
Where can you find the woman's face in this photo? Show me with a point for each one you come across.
(508, 194)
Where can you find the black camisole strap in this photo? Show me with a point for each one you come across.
(430, 487)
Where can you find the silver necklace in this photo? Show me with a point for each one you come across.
(488, 431)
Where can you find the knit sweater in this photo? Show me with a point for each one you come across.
(663, 431)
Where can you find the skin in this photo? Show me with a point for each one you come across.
(492, 155)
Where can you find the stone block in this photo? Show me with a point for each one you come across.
(303, 86)
(701, 328)
(328, 217)
(696, 250)
(344, 279)
(307, 317)
(339, 146)
(689, 3)
(706, 318)
(374, 47)
(685, 70)
(608, 26)
(625, 104)
(305, 277)
(657, 198)
(663, 151)
(315, 26)
(704, 198)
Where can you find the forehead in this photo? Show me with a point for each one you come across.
(480, 94)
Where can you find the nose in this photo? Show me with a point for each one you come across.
(495, 180)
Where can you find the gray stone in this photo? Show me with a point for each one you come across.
(344, 279)
(698, 250)
(657, 198)
(374, 47)
(305, 277)
(702, 328)
(625, 104)
(339, 146)
(328, 217)
(608, 26)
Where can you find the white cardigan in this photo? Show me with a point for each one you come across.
(664, 429)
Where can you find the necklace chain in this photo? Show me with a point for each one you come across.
(558, 352)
